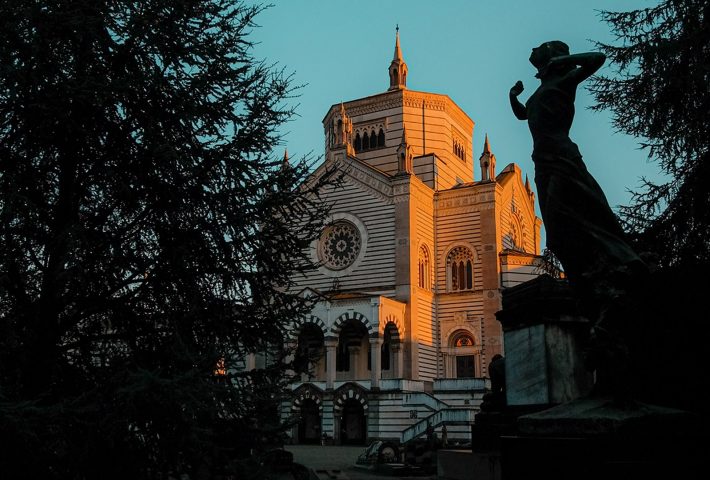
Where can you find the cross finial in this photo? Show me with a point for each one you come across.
(397, 29)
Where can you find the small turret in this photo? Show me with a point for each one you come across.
(342, 128)
(488, 163)
(404, 155)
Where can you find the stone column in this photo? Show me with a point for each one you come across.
(375, 361)
(354, 351)
(397, 359)
(330, 345)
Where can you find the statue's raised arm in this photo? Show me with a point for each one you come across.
(518, 108)
(579, 66)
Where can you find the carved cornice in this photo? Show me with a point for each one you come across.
(463, 210)
(373, 181)
(374, 106)
(484, 200)
(428, 101)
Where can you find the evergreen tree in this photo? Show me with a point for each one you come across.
(147, 231)
(660, 93)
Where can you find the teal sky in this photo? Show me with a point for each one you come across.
(471, 50)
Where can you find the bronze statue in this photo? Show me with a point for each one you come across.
(582, 230)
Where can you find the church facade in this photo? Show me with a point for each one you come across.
(411, 266)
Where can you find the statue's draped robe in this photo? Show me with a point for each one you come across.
(582, 230)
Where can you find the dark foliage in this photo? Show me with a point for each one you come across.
(660, 94)
(146, 231)
(549, 264)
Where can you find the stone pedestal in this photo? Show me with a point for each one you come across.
(594, 438)
(578, 436)
(544, 342)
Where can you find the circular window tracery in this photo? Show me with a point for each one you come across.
(340, 245)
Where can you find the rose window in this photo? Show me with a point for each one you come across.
(339, 245)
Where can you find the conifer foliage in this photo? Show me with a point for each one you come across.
(147, 230)
(660, 94)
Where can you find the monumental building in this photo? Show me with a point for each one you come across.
(420, 242)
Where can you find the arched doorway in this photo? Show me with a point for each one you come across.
(464, 355)
(353, 423)
(309, 428)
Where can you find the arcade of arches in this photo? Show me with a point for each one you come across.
(352, 354)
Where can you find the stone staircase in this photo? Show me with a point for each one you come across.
(443, 415)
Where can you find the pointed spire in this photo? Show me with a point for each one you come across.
(397, 49)
(527, 183)
(404, 136)
(486, 146)
(398, 68)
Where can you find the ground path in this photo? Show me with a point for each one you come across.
(337, 458)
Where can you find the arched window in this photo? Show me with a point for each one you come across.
(373, 139)
(460, 269)
(424, 268)
(463, 339)
(381, 138)
(358, 142)
(365, 141)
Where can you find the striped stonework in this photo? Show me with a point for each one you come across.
(394, 320)
(298, 325)
(347, 392)
(416, 219)
(338, 324)
(306, 392)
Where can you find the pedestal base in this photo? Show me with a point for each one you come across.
(594, 438)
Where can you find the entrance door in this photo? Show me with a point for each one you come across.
(465, 366)
(353, 426)
(309, 428)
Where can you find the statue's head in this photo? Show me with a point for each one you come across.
(541, 55)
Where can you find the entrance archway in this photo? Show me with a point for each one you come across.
(353, 423)
(309, 428)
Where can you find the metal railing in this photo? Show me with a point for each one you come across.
(447, 416)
